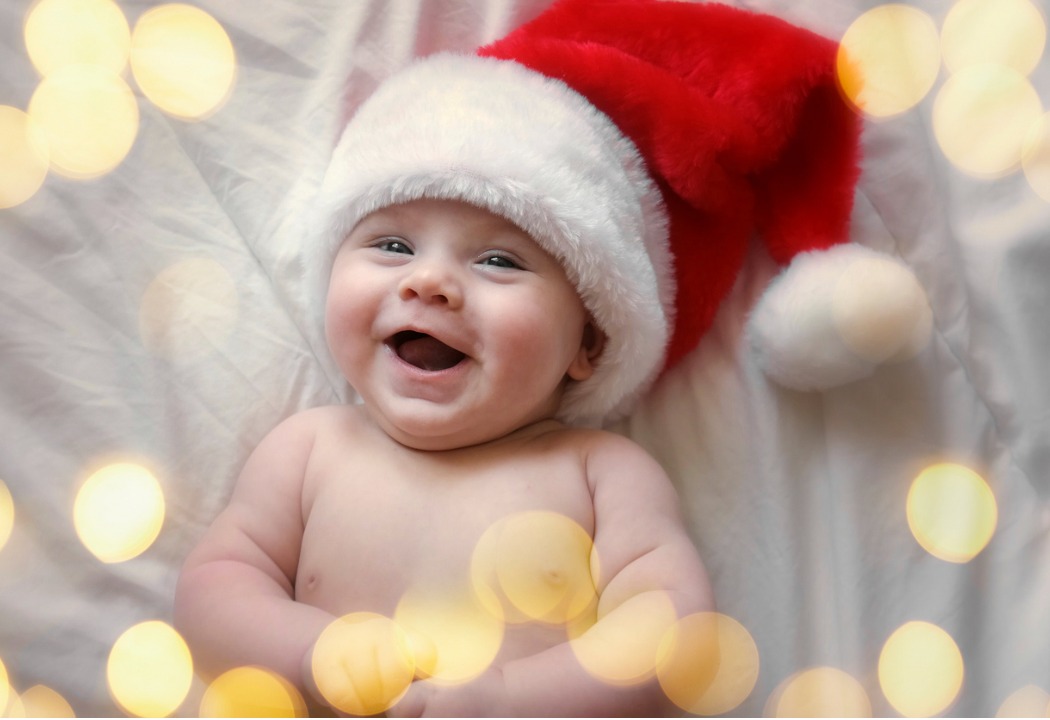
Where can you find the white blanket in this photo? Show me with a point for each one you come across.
(796, 501)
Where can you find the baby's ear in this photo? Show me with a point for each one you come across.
(591, 346)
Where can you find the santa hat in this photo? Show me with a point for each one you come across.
(642, 143)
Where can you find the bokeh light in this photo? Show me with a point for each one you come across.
(60, 33)
(188, 310)
(1035, 157)
(920, 669)
(5, 687)
(538, 564)
(362, 663)
(888, 59)
(15, 707)
(951, 512)
(149, 670)
(119, 511)
(7, 514)
(709, 665)
(982, 116)
(90, 119)
(820, 692)
(1000, 32)
(1028, 701)
(873, 330)
(461, 636)
(24, 157)
(41, 701)
(251, 692)
(182, 60)
(628, 643)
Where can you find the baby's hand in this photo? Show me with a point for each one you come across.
(361, 664)
(485, 696)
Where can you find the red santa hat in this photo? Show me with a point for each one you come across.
(642, 143)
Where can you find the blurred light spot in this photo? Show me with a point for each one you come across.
(710, 664)
(626, 645)
(7, 514)
(59, 33)
(188, 310)
(119, 511)
(951, 512)
(15, 707)
(251, 692)
(1035, 157)
(362, 663)
(920, 669)
(23, 157)
(888, 59)
(1030, 701)
(149, 670)
(982, 116)
(90, 118)
(5, 687)
(541, 564)
(41, 701)
(820, 692)
(461, 639)
(1002, 32)
(873, 300)
(183, 60)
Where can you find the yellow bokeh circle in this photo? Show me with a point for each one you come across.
(1035, 157)
(251, 692)
(626, 645)
(709, 664)
(90, 118)
(24, 156)
(60, 33)
(189, 310)
(951, 512)
(7, 514)
(362, 663)
(149, 670)
(920, 669)
(183, 60)
(119, 511)
(982, 116)
(888, 59)
(535, 565)
(460, 637)
(1001, 32)
(5, 687)
(820, 692)
(41, 701)
(1027, 701)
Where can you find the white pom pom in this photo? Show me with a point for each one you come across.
(833, 316)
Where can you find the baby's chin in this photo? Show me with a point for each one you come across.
(439, 435)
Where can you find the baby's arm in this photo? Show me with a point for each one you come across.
(645, 557)
(234, 602)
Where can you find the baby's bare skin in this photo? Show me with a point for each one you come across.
(348, 509)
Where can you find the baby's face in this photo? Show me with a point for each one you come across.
(452, 324)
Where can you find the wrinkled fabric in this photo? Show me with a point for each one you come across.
(796, 500)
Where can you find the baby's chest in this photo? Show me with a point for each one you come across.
(369, 542)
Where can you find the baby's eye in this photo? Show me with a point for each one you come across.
(500, 261)
(393, 245)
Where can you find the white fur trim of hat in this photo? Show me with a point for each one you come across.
(528, 148)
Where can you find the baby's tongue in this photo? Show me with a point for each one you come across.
(429, 354)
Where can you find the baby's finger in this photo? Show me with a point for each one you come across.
(361, 663)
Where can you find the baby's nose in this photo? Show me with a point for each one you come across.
(433, 282)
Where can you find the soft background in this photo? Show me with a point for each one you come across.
(153, 315)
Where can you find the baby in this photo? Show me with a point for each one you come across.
(465, 542)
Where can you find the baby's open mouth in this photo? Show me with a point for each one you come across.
(425, 352)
